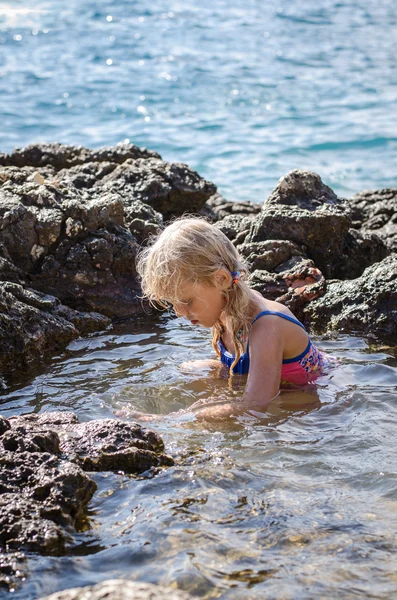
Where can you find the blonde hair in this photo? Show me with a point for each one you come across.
(191, 250)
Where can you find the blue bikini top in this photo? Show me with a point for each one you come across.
(242, 366)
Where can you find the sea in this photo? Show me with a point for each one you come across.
(243, 92)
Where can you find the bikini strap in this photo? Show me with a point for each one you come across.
(278, 314)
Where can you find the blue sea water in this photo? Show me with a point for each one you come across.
(241, 91)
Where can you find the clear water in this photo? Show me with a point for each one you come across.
(241, 91)
(301, 503)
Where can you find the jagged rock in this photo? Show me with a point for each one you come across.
(366, 305)
(34, 326)
(362, 249)
(305, 211)
(142, 221)
(376, 212)
(44, 491)
(103, 445)
(73, 227)
(62, 156)
(217, 208)
(295, 283)
(41, 496)
(235, 227)
(169, 188)
(270, 255)
(120, 589)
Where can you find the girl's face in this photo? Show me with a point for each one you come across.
(201, 304)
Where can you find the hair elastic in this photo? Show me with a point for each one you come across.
(235, 276)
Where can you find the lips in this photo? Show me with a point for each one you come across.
(193, 322)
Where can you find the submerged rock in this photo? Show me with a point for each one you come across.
(44, 489)
(120, 589)
(13, 570)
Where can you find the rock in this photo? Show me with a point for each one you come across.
(169, 188)
(376, 212)
(120, 589)
(217, 208)
(235, 227)
(34, 326)
(74, 226)
(44, 491)
(305, 211)
(366, 305)
(269, 255)
(103, 445)
(62, 156)
(295, 283)
(13, 570)
(41, 496)
(142, 221)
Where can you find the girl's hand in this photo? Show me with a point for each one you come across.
(136, 414)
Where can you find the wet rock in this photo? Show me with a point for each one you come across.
(13, 570)
(34, 326)
(44, 490)
(376, 212)
(103, 445)
(366, 305)
(62, 156)
(42, 497)
(120, 589)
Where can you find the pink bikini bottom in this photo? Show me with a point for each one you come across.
(307, 369)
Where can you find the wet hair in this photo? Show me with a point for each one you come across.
(188, 251)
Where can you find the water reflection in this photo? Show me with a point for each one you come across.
(302, 497)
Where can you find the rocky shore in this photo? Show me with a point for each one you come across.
(44, 482)
(71, 223)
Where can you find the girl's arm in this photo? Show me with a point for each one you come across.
(266, 347)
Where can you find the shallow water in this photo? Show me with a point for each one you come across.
(298, 503)
(242, 92)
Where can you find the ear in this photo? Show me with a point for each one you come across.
(222, 277)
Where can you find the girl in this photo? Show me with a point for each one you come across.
(193, 267)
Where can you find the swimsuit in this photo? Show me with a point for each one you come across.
(297, 371)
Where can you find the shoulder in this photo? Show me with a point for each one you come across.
(267, 332)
